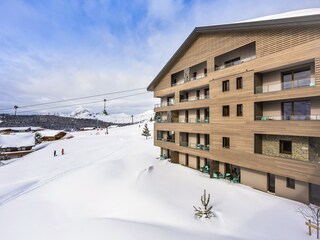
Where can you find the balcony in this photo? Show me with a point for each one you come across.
(164, 104)
(195, 98)
(183, 120)
(193, 73)
(166, 136)
(289, 110)
(194, 120)
(237, 56)
(289, 117)
(308, 82)
(195, 146)
(299, 148)
(166, 140)
(294, 77)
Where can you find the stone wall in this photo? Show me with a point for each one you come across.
(271, 146)
(314, 149)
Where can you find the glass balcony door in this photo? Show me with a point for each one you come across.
(296, 78)
(296, 110)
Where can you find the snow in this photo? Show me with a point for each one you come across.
(298, 13)
(17, 140)
(15, 128)
(50, 133)
(114, 187)
(81, 112)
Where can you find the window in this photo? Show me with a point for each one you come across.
(239, 110)
(239, 83)
(225, 86)
(296, 110)
(285, 147)
(296, 78)
(198, 94)
(206, 93)
(232, 62)
(291, 183)
(226, 142)
(225, 111)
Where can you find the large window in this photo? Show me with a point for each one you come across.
(225, 111)
(226, 142)
(225, 86)
(285, 147)
(296, 110)
(239, 83)
(239, 110)
(296, 78)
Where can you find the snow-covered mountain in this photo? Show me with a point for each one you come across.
(115, 118)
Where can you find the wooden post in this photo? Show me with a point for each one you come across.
(309, 227)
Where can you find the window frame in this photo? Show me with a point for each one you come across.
(225, 112)
(239, 110)
(281, 147)
(239, 83)
(226, 142)
(291, 183)
(225, 86)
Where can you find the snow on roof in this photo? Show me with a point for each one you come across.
(15, 128)
(50, 133)
(298, 13)
(21, 128)
(17, 140)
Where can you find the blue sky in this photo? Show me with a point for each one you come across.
(59, 49)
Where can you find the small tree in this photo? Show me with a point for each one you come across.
(37, 138)
(206, 212)
(145, 131)
(312, 213)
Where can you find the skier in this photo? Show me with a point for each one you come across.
(62, 151)
(54, 153)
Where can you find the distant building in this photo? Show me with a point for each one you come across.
(16, 145)
(244, 100)
(52, 135)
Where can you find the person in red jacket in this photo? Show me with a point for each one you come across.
(62, 151)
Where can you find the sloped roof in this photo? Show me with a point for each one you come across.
(308, 17)
(17, 140)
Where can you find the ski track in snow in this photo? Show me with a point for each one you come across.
(29, 187)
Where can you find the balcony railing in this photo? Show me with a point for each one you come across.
(193, 120)
(289, 117)
(183, 120)
(195, 146)
(199, 76)
(166, 140)
(308, 82)
(164, 104)
(235, 63)
(184, 80)
(190, 99)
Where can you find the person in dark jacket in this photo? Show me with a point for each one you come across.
(54, 153)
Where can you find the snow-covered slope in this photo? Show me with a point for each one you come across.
(115, 118)
(113, 187)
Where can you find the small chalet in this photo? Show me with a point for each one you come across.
(16, 145)
(52, 135)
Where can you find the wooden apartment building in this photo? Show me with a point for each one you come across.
(245, 98)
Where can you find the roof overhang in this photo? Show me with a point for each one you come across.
(274, 23)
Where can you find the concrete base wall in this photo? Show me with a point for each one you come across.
(255, 179)
(182, 158)
(300, 193)
(193, 162)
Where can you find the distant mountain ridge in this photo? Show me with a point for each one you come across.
(83, 113)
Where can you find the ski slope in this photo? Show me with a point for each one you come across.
(114, 187)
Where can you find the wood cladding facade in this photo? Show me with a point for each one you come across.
(276, 48)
